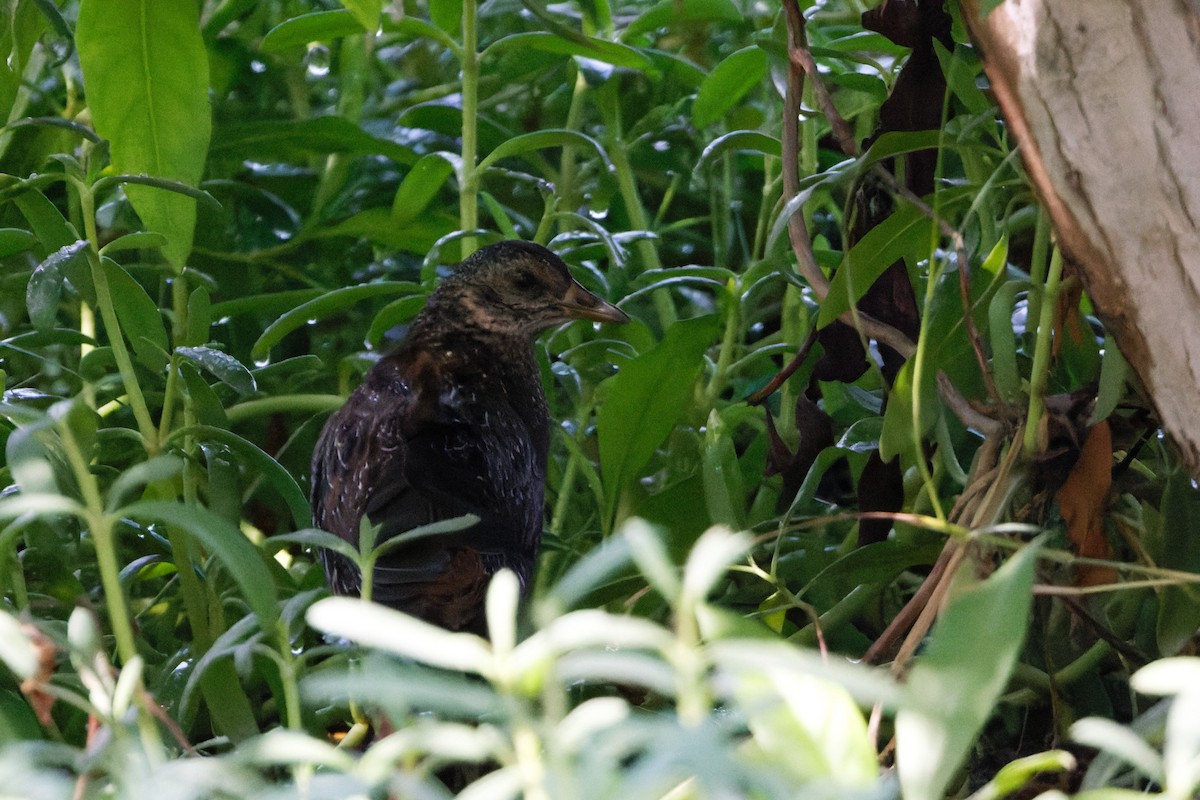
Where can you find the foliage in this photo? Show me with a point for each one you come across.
(214, 214)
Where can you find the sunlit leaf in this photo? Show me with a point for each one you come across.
(953, 688)
(145, 69)
(373, 625)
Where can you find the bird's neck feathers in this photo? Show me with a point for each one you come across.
(446, 336)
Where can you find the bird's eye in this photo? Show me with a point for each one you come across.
(525, 281)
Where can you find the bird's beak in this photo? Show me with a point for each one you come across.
(579, 303)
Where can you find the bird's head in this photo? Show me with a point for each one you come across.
(520, 288)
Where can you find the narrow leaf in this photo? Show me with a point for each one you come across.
(140, 318)
(645, 399)
(222, 366)
(319, 307)
(373, 625)
(419, 187)
(145, 69)
(889, 241)
(538, 140)
(619, 55)
(257, 462)
(240, 558)
(728, 83)
(955, 685)
(44, 290)
(319, 26)
(366, 12)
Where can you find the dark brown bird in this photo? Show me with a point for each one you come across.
(453, 422)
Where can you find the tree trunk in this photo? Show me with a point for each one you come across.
(1104, 97)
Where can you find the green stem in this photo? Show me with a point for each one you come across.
(469, 195)
(638, 219)
(729, 341)
(299, 403)
(104, 538)
(566, 190)
(1040, 373)
(287, 678)
(171, 395)
(353, 58)
(566, 487)
(112, 326)
(1038, 261)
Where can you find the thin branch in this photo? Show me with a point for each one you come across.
(785, 373)
(797, 230)
(964, 273)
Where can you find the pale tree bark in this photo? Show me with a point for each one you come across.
(1104, 98)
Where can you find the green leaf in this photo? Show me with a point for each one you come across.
(222, 366)
(140, 318)
(894, 238)
(152, 470)
(315, 537)
(1015, 775)
(1179, 605)
(145, 69)
(258, 463)
(673, 13)
(811, 727)
(738, 141)
(397, 312)
(650, 554)
(159, 183)
(48, 224)
(897, 143)
(1114, 374)
(1003, 339)
(710, 558)
(297, 139)
(619, 55)
(447, 14)
(320, 307)
(419, 187)
(15, 240)
(16, 651)
(376, 224)
(645, 399)
(44, 290)
(955, 684)
(319, 26)
(366, 12)
(372, 625)
(240, 558)
(538, 140)
(139, 240)
(205, 404)
(199, 317)
(960, 77)
(724, 493)
(728, 83)
(1121, 741)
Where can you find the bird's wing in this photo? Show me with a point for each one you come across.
(383, 456)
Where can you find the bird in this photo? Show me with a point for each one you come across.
(454, 421)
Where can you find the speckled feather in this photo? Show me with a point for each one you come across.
(453, 422)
